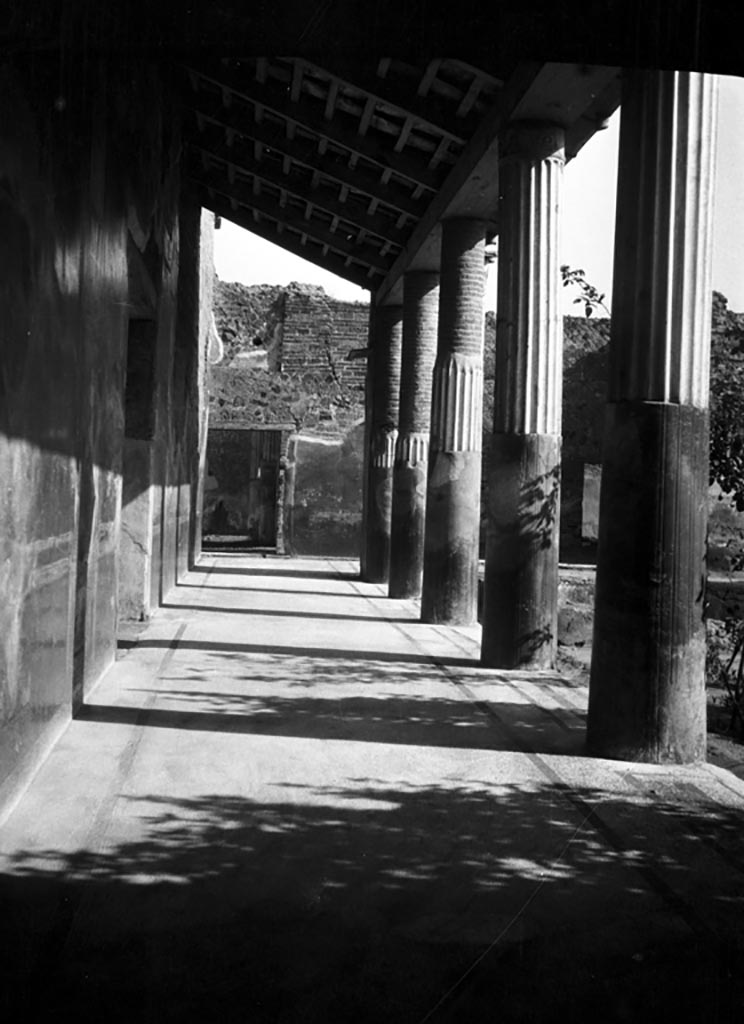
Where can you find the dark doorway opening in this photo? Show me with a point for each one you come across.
(242, 492)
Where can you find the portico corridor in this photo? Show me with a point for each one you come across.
(289, 800)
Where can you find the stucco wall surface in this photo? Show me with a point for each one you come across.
(86, 178)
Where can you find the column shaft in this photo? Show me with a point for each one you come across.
(420, 309)
(450, 580)
(647, 690)
(383, 386)
(520, 613)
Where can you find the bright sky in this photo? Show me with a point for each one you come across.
(588, 221)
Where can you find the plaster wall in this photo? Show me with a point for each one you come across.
(63, 293)
(86, 174)
(135, 543)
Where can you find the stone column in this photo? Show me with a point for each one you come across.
(420, 309)
(520, 610)
(450, 583)
(383, 387)
(647, 691)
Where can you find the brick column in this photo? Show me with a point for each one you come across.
(450, 584)
(383, 387)
(647, 691)
(520, 610)
(420, 309)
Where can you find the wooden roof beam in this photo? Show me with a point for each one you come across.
(561, 93)
(368, 182)
(343, 241)
(430, 113)
(484, 76)
(379, 227)
(428, 77)
(329, 260)
(305, 114)
(470, 96)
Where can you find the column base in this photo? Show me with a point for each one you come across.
(407, 531)
(450, 584)
(520, 593)
(376, 561)
(647, 689)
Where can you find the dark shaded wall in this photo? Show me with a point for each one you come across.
(240, 497)
(88, 179)
(63, 294)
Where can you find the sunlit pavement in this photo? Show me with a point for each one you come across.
(289, 801)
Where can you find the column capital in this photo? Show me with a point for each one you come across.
(412, 449)
(457, 402)
(660, 335)
(529, 325)
(383, 446)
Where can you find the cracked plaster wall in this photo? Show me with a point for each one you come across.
(86, 167)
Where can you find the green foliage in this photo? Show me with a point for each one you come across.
(724, 667)
(727, 401)
(589, 296)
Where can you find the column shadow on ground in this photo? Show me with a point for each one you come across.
(242, 588)
(394, 719)
(286, 613)
(241, 650)
(374, 900)
(279, 570)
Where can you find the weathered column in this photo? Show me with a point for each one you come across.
(520, 610)
(420, 309)
(450, 584)
(647, 692)
(383, 386)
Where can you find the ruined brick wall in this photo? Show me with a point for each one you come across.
(285, 365)
(285, 361)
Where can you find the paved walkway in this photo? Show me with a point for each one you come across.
(291, 802)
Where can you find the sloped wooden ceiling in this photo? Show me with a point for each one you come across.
(377, 124)
(352, 151)
(351, 164)
(335, 162)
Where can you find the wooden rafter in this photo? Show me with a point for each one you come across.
(213, 137)
(428, 77)
(321, 198)
(305, 113)
(470, 96)
(430, 114)
(312, 251)
(343, 241)
(491, 81)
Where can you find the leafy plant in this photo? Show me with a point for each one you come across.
(591, 298)
(727, 401)
(724, 667)
(725, 638)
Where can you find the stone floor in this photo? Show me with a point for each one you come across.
(289, 801)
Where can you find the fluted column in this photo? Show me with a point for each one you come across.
(420, 310)
(383, 386)
(450, 581)
(647, 691)
(521, 583)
